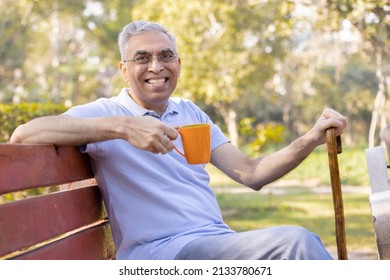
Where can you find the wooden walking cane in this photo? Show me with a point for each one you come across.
(334, 148)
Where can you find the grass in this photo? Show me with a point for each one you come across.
(308, 205)
(352, 165)
(247, 211)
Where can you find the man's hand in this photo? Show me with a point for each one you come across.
(149, 134)
(329, 118)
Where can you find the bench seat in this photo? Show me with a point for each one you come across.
(61, 222)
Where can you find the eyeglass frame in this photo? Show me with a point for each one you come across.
(152, 57)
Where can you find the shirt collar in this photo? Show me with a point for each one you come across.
(126, 100)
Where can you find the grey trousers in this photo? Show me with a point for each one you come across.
(275, 243)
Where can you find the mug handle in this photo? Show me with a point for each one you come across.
(176, 149)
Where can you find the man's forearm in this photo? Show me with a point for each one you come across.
(272, 167)
(63, 130)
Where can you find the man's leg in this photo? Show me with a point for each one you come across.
(276, 243)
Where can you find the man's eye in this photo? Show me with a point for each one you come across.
(142, 59)
(167, 57)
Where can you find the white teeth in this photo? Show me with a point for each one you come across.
(156, 81)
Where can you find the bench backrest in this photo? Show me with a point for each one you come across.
(67, 224)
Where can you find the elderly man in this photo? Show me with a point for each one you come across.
(160, 206)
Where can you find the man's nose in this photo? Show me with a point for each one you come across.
(155, 65)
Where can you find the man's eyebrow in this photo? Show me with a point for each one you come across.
(167, 50)
(139, 52)
(142, 52)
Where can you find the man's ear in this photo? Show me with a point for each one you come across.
(123, 69)
(179, 67)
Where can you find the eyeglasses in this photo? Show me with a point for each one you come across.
(147, 58)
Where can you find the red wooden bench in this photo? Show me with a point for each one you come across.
(70, 223)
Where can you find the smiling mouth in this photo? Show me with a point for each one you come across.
(156, 81)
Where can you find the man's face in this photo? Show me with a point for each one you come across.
(151, 83)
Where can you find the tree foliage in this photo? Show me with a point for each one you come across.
(275, 62)
(372, 19)
(13, 115)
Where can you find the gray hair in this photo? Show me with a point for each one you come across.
(137, 27)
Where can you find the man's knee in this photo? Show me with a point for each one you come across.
(297, 232)
(304, 244)
(301, 236)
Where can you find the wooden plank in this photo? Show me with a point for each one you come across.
(377, 169)
(92, 244)
(30, 166)
(33, 220)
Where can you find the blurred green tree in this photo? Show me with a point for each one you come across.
(277, 61)
(13, 115)
(372, 19)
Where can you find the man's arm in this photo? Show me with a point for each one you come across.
(256, 173)
(143, 132)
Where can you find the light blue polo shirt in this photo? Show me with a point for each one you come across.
(156, 203)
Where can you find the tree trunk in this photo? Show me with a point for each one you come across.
(378, 111)
(55, 39)
(230, 117)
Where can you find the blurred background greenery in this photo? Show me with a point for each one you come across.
(251, 64)
(263, 70)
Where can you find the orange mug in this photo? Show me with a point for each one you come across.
(196, 143)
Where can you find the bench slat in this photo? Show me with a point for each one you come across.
(88, 245)
(41, 165)
(379, 203)
(30, 221)
(377, 169)
(379, 199)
